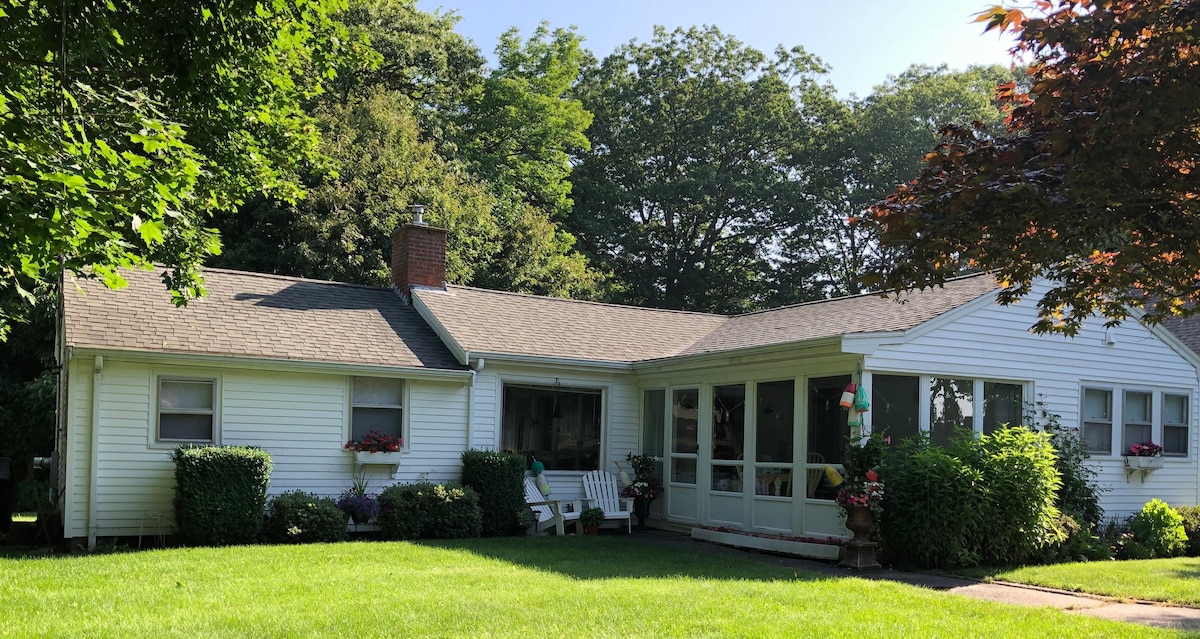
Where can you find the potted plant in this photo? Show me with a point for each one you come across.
(591, 520)
(645, 487)
(358, 505)
(376, 448)
(861, 498)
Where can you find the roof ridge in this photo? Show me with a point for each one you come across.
(857, 295)
(286, 278)
(587, 302)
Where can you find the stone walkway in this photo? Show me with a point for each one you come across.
(1145, 613)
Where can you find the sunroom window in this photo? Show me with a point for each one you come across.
(559, 426)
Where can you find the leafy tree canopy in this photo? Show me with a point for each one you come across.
(864, 148)
(124, 124)
(1093, 184)
(689, 179)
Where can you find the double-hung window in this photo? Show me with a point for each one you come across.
(1175, 424)
(185, 410)
(1137, 418)
(377, 404)
(1097, 420)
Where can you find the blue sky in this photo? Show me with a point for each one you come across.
(864, 41)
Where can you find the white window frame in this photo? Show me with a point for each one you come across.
(925, 395)
(156, 440)
(1186, 425)
(1155, 415)
(404, 401)
(1114, 413)
(1157, 393)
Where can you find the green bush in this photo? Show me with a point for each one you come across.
(429, 511)
(499, 479)
(303, 518)
(220, 493)
(1079, 494)
(1191, 527)
(931, 508)
(1159, 528)
(986, 500)
(1077, 543)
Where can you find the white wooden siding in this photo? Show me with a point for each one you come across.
(994, 342)
(301, 419)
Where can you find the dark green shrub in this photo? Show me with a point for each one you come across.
(1018, 483)
(1079, 494)
(499, 479)
(931, 509)
(429, 511)
(1159, 528)
(1078, 543)
(220, 493)
(303, 518)
(1191, 527)
(982, 500)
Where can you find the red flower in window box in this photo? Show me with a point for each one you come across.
(376, 442)
(1145, 449)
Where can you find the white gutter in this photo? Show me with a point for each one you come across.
(543, 360)
(755, 354)
(406, 372)
(93, 490)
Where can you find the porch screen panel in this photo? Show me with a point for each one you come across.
(728, 437)
(685, 413)
(895, 406)
(774, 437)
(951, 407)
(654, 426)
(1002, 404)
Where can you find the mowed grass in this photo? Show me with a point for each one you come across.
(1168, 580)
(524, 587)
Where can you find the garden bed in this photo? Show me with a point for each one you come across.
(804, 546)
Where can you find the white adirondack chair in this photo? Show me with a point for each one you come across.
(552, 512)
(601, 490)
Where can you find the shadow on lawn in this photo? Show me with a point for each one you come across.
(620, 558)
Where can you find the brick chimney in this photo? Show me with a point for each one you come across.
(418, 255)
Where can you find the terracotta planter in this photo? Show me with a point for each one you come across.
(594, 529)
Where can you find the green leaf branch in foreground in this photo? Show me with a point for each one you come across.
(124, 125)
(1093, 185)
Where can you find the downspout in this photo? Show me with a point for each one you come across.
(475, 368)
(97, 374)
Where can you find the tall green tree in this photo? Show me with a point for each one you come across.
(124, 124)
(864, 149)
(1093, 184)
(690, 179)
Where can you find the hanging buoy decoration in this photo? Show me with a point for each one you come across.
(539, 477)
(861, 405)
(625, 480)
(847, 400)
(834, 477)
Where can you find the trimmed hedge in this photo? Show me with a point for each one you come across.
(1160, 529)
(220, 493)
(303, 518)
(429, 511)
(499, 479)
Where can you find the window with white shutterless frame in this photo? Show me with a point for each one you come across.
(186, 410)
(1143, 414)
(377, 404)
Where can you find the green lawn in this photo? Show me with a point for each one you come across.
(525, 587)
(1169, 580)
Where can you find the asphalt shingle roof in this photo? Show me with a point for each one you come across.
(482, 320)
(255, 315)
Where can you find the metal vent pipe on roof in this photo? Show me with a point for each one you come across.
(418, 210)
